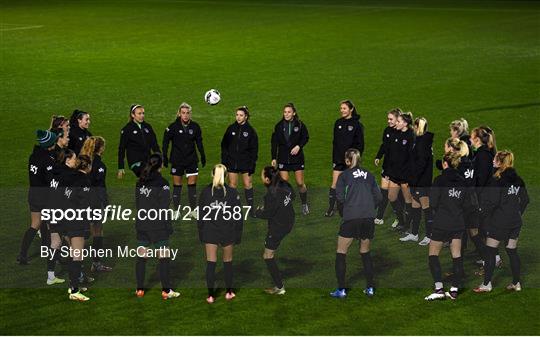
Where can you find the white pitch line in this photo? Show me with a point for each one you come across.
(20, 28)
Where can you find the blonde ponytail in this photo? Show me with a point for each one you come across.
(88, 147)
(218, 175)
(420, 126)
(506, 161)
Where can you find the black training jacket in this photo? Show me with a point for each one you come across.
(76, 193)
(467, 139)
(77, 136)
(358, 194)
(240, 147)
(450, 200)
(287, 135)
(40, 167)
(98, 176)
(399, 156)
(387, 137)
(153, 194)
(183, 138)
(348, 133)
(214, 217)
(504, 200)
(278, 208)
(422, 160)
(137, 142)
(483, 167)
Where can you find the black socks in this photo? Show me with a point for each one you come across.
(249, 198)
(331, 199)
(435, 268)
(479, 244)
(177, 193)
(397, 207)
(26, 241)
(303, 196)
(489, 264)
(341, 269)
(428, 217)
(192, 195)
(383, 204)
(140, 269)
(416, 216)
(164, 274)
(274, 272)
(97, 244)
(457, 269)
(210, 277)
(515, 264)
(368, 268)
(228, 271)
(75, 268)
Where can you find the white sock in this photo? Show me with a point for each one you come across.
(438, 285)
(497, 258)
(50, 275)
(454, 289)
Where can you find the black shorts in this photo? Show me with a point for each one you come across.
(339, 166)
(358, 229)
(419, 192)
(157, 238)
(189, 170)
(273, 239)
(503, 234)
(36, 207)
(290, 167)
(398, 181)
(241, 171)
(83, 233)
(445, 235)
(472, 220)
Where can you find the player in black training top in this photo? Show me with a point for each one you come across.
(184, 134)
(400, 166)
(78, 130)
(76, 195)
(239, 152)
(503, 204)
(40, 166)
(460, 129)
(389, 134)
(422, 175)
(483, 143)
(348, 133)
(279, 211)
(94, 147)
(152, 192)
(220, 223)
(137, 140)
(288, 140)
(450, 200)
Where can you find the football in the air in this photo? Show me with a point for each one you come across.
(212, 97)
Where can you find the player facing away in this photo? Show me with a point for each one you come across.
(137, 142)
(153, 193)
(503, 204)
(358, 197)
(239, 152)
(389, 134)
(288, 140)
(279, 211)
(220, 223)
(94, 147)
(184, 134)
(451, 200)
(348, 133)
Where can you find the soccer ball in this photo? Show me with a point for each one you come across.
(212, 97)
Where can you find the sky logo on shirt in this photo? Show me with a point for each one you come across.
(359, 174)
(54, 184)
(287, 199)
(217, 204)
(145, 191)
(33, 169)
(513, 190)
(469, 173)
(67, 192)
(453, 193)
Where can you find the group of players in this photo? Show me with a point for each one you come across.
(478, 194)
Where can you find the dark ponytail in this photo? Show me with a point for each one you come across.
(75, 116)
(351, 106)
(273, 175)
(154, 163)
(84, 163)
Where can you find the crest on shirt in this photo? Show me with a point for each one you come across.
(245, 134)
(173, 170)
(146, 130)
(296, 128)
(404, 141)
(280, 166)
(350, 127)
(190, 131)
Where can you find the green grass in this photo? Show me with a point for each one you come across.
(479, 60)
